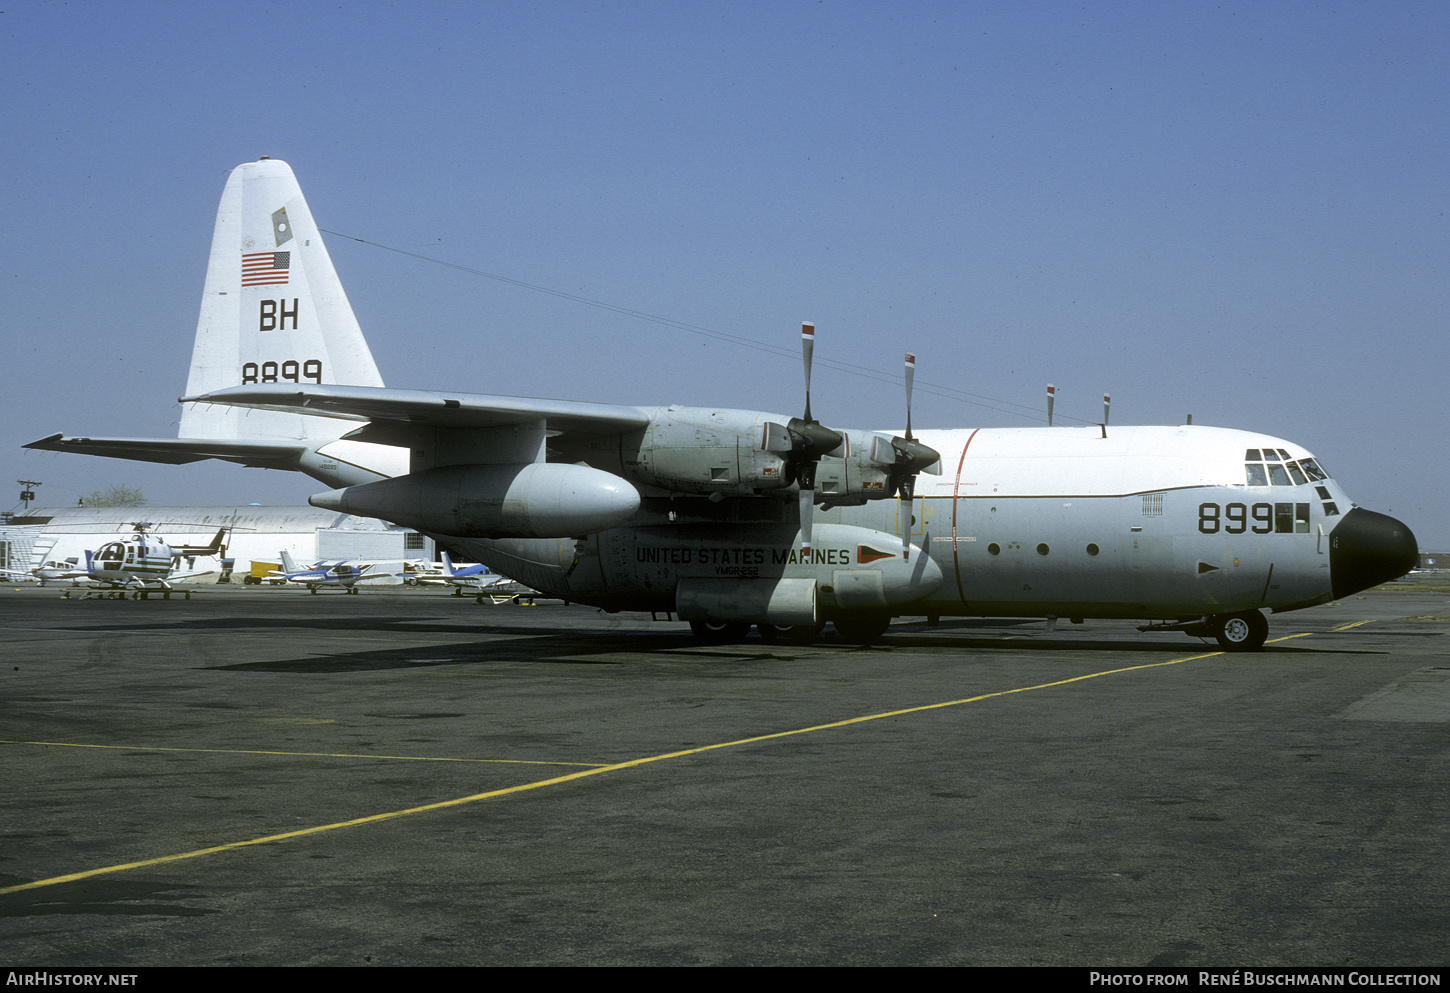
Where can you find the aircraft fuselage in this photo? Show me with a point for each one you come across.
(1134, 522)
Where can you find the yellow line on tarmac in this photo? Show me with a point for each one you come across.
(570, 777)
(1352, 624)
(323, 755)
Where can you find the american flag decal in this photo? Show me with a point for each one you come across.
(265, 268)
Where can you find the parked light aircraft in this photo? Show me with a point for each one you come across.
(345, 575)
(50, 570)
(472, 577)
(731, 518)
(139, 564)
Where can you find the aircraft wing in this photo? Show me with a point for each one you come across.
(179, 451)
(391, 412)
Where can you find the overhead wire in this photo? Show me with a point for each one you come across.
(936, 389)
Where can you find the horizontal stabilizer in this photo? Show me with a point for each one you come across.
(257, 453)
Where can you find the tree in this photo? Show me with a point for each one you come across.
(119, 495)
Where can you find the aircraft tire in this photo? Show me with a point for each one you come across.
(790, 634)
(1241, 632)
(862, 628)
(719, 632)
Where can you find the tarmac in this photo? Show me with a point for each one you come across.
(402, 777)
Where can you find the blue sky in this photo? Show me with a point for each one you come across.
(1233, 210)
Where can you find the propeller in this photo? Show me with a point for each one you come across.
(809, 440)
(911, 457)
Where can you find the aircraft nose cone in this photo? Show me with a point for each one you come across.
(1366, 549)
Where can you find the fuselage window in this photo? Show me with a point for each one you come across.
(1291, 518)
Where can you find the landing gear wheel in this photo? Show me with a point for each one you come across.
(862, 628)
(1241, 632)
(719, 632)
(790, 634)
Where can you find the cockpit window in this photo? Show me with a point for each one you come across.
(1272, 473)
(112, 552)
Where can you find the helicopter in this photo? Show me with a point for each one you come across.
(140, 564)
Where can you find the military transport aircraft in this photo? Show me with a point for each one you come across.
(731, 518)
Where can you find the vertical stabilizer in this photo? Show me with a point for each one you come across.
(272, 311)
(288, 566)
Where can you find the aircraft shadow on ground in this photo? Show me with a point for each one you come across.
(513, 647)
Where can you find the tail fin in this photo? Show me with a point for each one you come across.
(288, 566)
(272, 310)
(448, 564)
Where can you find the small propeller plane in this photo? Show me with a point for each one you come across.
(343, 574)
(139, 564)
(468, 577)
(734, 518)
(49, 571)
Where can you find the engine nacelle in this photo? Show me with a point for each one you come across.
(710, 452)
(858, 471)
(536, 500)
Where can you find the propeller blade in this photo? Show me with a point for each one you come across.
(809, 440)
(911, 457)
(808, 507)
(910, 378)
(906, 516)
(808, 348)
